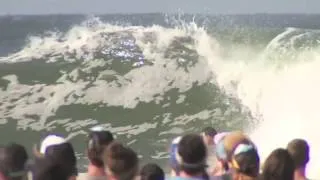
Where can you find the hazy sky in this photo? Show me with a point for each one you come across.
(141, 6)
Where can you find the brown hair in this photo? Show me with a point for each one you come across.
(121, 161)
(13, 158)
(97, 142)
(278, 166)
(299, 151)
(247, 161)
(152, 172)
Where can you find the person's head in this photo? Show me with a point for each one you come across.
(98, 141)
(245, 162)
(13, 158)
(208, 135)
(48, 141)
(191, 155)
(59, 150)
(47, 169)
(231, 141)
(121, 162)
(299, 151)
(226, 144)
(63, 154)
(151, 172)
(278, 166)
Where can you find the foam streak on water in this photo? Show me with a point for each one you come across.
(135, 86)
(150, 68)
(283, 97)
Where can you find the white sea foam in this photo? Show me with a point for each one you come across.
(285, 99)
(148, 83)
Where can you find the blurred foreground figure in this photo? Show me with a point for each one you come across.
(299, 151)
(121, 162)
(13, 158)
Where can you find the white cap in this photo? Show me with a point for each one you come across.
(219, 136)
(176, 140)
(96, 128)
(50, 141)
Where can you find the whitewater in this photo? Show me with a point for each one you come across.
(278, 83)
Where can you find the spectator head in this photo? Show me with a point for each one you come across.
(245, 162)
(47, 169)
(48, 141)
(278, 165)
(59, 150)
(229, 142)
(121, 162)
(63, 154)
(13, 158)
(152, 172)
(226, 145)
(299, 151)
(98, 141)
(208, 135)
(191, 155)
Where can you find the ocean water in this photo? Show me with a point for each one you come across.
(150, 77)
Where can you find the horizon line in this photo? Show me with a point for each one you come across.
(151, 13)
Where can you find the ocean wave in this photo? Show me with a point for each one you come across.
(124, 66)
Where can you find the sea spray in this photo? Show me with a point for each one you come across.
(97, 68)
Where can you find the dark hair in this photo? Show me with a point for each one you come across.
(193, 153)
(278, 166)
(47, 169)
(13, 158)
(98, 141)
(151, 172)
(299, 151)
(248, 162)
(209, 131)
(63, 154)
(121, 160)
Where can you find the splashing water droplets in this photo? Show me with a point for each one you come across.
(284, 99)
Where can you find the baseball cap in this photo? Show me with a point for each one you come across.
(227, 142)
(245, 160)
(231, 141)
(97, 128)
(48, 141)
